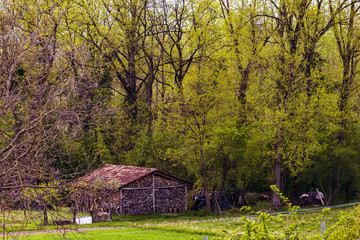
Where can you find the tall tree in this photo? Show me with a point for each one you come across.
(248, 34)
(32, 86)
(298, 27)
(347, 38)
(119, 32)
(196, 108)
(183, 22)
(193, 120)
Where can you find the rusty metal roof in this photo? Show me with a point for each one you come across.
(121, 175)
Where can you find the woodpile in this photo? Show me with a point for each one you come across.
(137, 201)
(170, 198)
(142, 182)
(312, 199)
(152, 193)
(128, 190)
(162, 181)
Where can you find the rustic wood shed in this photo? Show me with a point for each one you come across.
(141, 190)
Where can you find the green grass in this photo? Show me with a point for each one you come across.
(174, 226)
(212, 226)
(18, 216)
(125, 234)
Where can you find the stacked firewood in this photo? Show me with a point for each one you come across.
(170, 198)
(142, 182)
(161, 181)
(137, 201)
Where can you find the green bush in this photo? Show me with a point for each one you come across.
(348, 226)
(268, 227)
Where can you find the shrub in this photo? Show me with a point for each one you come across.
(348, 226)
(268, 227)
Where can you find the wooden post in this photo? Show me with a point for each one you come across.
(153, 192)
(120, 201)
(287, 221)
(74, 215)
(322, 228)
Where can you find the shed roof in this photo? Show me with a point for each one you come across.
(122, 175)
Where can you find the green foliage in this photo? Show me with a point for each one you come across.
(227, 151)
(335, 167)
(267, 226)
(45, 193)
(347, 227)
(216, 92)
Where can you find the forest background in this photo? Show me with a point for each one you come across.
(231, 95)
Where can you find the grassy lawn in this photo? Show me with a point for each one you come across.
(188, 225)
(212, 225)
(129, 233)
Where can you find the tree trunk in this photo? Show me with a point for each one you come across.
(242, 200)
(131, 96)
(74, 215)
(131, 82)
(275, 198)
(333, 194)
(205, 184)
(149, 97)
(242, 91)
(206, 191)
(45, 216)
